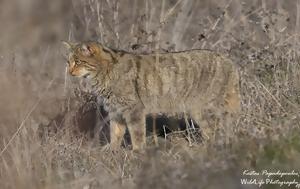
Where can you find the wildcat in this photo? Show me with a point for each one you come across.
(199, 83)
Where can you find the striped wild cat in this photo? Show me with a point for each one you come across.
(200, 83)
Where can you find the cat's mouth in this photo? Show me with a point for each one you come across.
(86, 75)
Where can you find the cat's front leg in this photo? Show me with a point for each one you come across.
(136, 124)
(117, 130)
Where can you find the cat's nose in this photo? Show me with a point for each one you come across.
(72, 73)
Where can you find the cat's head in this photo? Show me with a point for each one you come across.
(87, 59)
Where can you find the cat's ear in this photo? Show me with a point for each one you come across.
(68, 46)
(88, 49)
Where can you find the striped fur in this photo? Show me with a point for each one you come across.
(195, 82)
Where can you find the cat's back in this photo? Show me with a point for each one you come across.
(181, 60)
(176, 75)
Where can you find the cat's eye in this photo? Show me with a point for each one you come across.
(78, 62)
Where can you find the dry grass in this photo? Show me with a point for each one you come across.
(42, 112)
